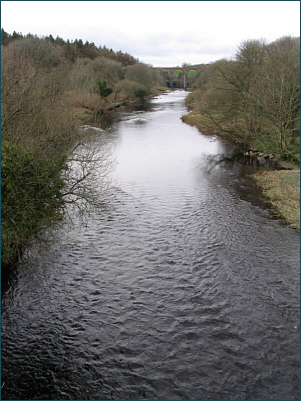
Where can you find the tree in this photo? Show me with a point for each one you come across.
(129, 89)
(103, 89)
(240, 80)
(278, 90)
(47, 162)
(79, 44)
(254, 98)
(4, 37)
(33, 113)
(201, 78)
(31, 196)
(228, 93)
(140, 93)
(142, 74)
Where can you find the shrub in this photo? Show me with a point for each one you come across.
(140, 93)
(33, 111)
(103, 89)
(30, 194)
(143, 75)
(130, 89)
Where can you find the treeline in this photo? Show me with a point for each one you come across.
(252, 99)
(75, 49)
(49, 88)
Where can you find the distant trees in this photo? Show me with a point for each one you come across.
(201, 78)
(139, 81)
(255, 97)
(129, 89)
(143, 75)
(75, 49)
(6, 38)
(88, 77)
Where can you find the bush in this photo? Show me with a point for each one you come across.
(43, 53)
(142, 75)
(130, 89)
(140, 93)
(33, 108)
(31, 196)
(103, 89)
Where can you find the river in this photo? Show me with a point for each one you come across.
(183, 286)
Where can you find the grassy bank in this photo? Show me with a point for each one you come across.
(195, 119)
(282, 190)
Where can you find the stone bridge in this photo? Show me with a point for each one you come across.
(171, 71)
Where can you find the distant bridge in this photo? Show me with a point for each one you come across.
(171, 71)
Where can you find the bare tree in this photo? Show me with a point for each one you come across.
(277, 91)
(89, 164)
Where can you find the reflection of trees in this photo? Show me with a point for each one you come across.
(89, 165)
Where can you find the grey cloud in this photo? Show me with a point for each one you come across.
(157, 47)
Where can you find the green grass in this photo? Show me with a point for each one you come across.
(264, 145)
(268, 145)
(191, 72)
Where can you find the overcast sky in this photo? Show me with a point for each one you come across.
(160, 33)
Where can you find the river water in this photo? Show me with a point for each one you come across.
(183, 286)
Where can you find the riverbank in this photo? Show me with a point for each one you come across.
(87, 108)
(281, 188)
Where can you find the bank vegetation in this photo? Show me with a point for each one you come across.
(253, 101)
(49, 89)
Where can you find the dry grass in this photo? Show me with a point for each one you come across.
(196, 119)
(193, 118)
(282, 189)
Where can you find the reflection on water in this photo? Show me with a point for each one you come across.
(181, 287)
